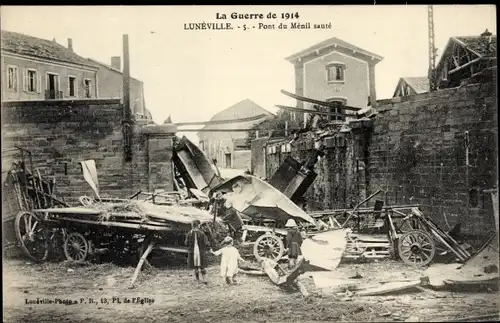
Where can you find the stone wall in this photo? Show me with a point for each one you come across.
(60, 134)
(418, 154)
(414, 151)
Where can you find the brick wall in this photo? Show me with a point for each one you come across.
(417, 154)
(257, 158)
(414, 150)
(242, 159)
(60, 134)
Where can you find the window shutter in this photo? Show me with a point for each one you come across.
(69, 86)
(25, 79)
(17, 80)
(38, 82)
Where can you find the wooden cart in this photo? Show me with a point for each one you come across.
(84, 231)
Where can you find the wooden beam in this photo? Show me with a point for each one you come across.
(331, 114)
(318, 102)
(257, 117)
(465, 65)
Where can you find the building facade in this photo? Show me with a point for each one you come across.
(231, 149)
(111, 85)
(39, 69)
(466, 57)
(411, 85)
(334, 70)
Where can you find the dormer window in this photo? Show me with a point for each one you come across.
(335, 72)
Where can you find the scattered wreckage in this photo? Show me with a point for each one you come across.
(136, 227)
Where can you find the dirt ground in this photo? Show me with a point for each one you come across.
(170, 294)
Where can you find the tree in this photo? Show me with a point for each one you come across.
(275, 125)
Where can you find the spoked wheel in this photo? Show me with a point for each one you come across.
(416, 248)
(56, 250)
(76, 247)
(32, 236)
(86, 201)
(268, 246)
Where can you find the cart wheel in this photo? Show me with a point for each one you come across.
(76, 247)
(268, 246)
(32, 236)
(416, 248)
(56, 250)
(86, 201)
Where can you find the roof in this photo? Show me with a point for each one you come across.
(243, 109)
(40, 48)
(95, 62)
(330, 42)
(475, 44)
(419, 84)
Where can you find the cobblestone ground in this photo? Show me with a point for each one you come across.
(177, 298)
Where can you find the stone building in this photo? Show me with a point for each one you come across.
(231, 149)
(39, 69)
(334, 70)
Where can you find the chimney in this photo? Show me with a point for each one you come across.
(70, 44)
(116, 62)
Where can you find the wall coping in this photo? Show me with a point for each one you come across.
(385, 104)
(163, 129)
(59, 102)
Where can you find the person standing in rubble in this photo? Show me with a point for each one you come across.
(198, 244)
(233, 221)
(229, 260)
(293, 242)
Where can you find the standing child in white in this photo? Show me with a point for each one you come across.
(229, 260)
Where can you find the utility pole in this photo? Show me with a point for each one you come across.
(432, 50)
(127, 113)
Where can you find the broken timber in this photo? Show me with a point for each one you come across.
(141, 262)
(282, 277)
(322, 103)
(330, 114)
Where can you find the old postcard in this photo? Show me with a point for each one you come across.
(249, 163)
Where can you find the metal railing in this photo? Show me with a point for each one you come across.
(53, 95)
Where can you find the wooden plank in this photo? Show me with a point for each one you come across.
(211, 122)
(389, 288)
(141, 262)
(318, 102)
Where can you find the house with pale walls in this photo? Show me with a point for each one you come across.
(111, 85)
(40, 69)
(335, 71)
(231, 149)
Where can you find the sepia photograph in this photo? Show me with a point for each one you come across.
(307, 163)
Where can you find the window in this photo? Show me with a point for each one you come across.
(31, 85)
(52, 87)
(335, 72)
(88, 89)
(72, 86)
(228, 160)
(339, 102)
(12, 82)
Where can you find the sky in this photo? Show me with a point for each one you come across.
(192, 75)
